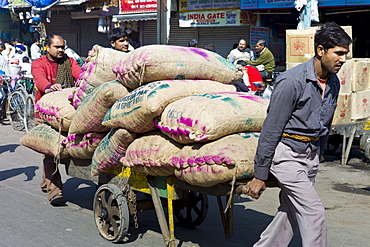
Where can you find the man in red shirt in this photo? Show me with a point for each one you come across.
(52, 73)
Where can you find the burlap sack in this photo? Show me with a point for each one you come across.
(137, 110)
(46, 140)
(96, 70)
(213, 115)
(207, 164)
(89, 115)
(82, 146)
(110, 150)
(56, 109)
(164, 62)
(151, 153)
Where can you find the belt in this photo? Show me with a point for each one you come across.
(300, 137)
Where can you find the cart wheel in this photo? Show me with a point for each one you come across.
(191, 209)
(111, 213)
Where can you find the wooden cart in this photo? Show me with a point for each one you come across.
(115, 200)
(345, 134)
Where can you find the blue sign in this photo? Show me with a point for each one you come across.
(287, 4)
(358, 2)
(248, 4)
(275, 4)
(331, 3)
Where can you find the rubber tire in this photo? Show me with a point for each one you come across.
(16, 110)
(111, 213)
(191, 202)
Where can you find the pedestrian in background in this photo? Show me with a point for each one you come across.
(242, 52)
(294, 135)
(265, 63)
(119, 40)
(193, 43)
(35, 50)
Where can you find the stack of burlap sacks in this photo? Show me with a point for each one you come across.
(354, 76)
(160, 110)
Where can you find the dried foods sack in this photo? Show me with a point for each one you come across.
(137, 110)
(207, 164)
(46, 140)
(97, 70)
(82, 146)
(89, 115)
(110, 150)
(210, 116)
(165, 62)
(151, 153)
(56, 109)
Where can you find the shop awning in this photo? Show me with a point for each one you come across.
(135, 17)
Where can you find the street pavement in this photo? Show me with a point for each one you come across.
(27, 219)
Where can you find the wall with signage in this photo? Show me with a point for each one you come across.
(217, 18)
(281, 4)
(137, 6)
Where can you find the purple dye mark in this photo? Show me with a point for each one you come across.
(191, 161)
(208, 160)
(186, 121)
(200, 160)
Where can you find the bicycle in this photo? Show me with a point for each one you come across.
(17, 104)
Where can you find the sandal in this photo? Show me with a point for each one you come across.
(57, 198)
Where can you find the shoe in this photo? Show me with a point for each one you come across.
(56, 199)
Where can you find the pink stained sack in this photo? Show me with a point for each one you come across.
(137, 110)
(89, 115)
(46, 140)
(165, 62)
(151, 153)
(209, 116)
(210, 163)
(110, 150)
(96, 70)
(56, 109)
(82, 146)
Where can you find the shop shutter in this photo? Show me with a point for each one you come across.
(149, 32)
(181, 35)
(223, 38)
(61, 23)
(90, 36)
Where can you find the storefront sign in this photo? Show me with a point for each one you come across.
(220, 18)
(257, 33)
(284, 4)
(137, 6)
(201, 5)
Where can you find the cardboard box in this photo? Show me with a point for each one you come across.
(342, 114)
(361, 75)
(345, 75)
(300, 44)
(291, 65)
(360, 108)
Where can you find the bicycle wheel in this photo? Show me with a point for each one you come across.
(30, 113)
(16, 111)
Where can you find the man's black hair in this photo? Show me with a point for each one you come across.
(51, 36)
(193, 43)
(116, 33)
(330, 35)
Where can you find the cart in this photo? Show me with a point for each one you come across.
(345, 134)
(115, 200)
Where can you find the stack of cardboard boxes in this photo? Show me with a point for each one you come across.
(354, 76)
